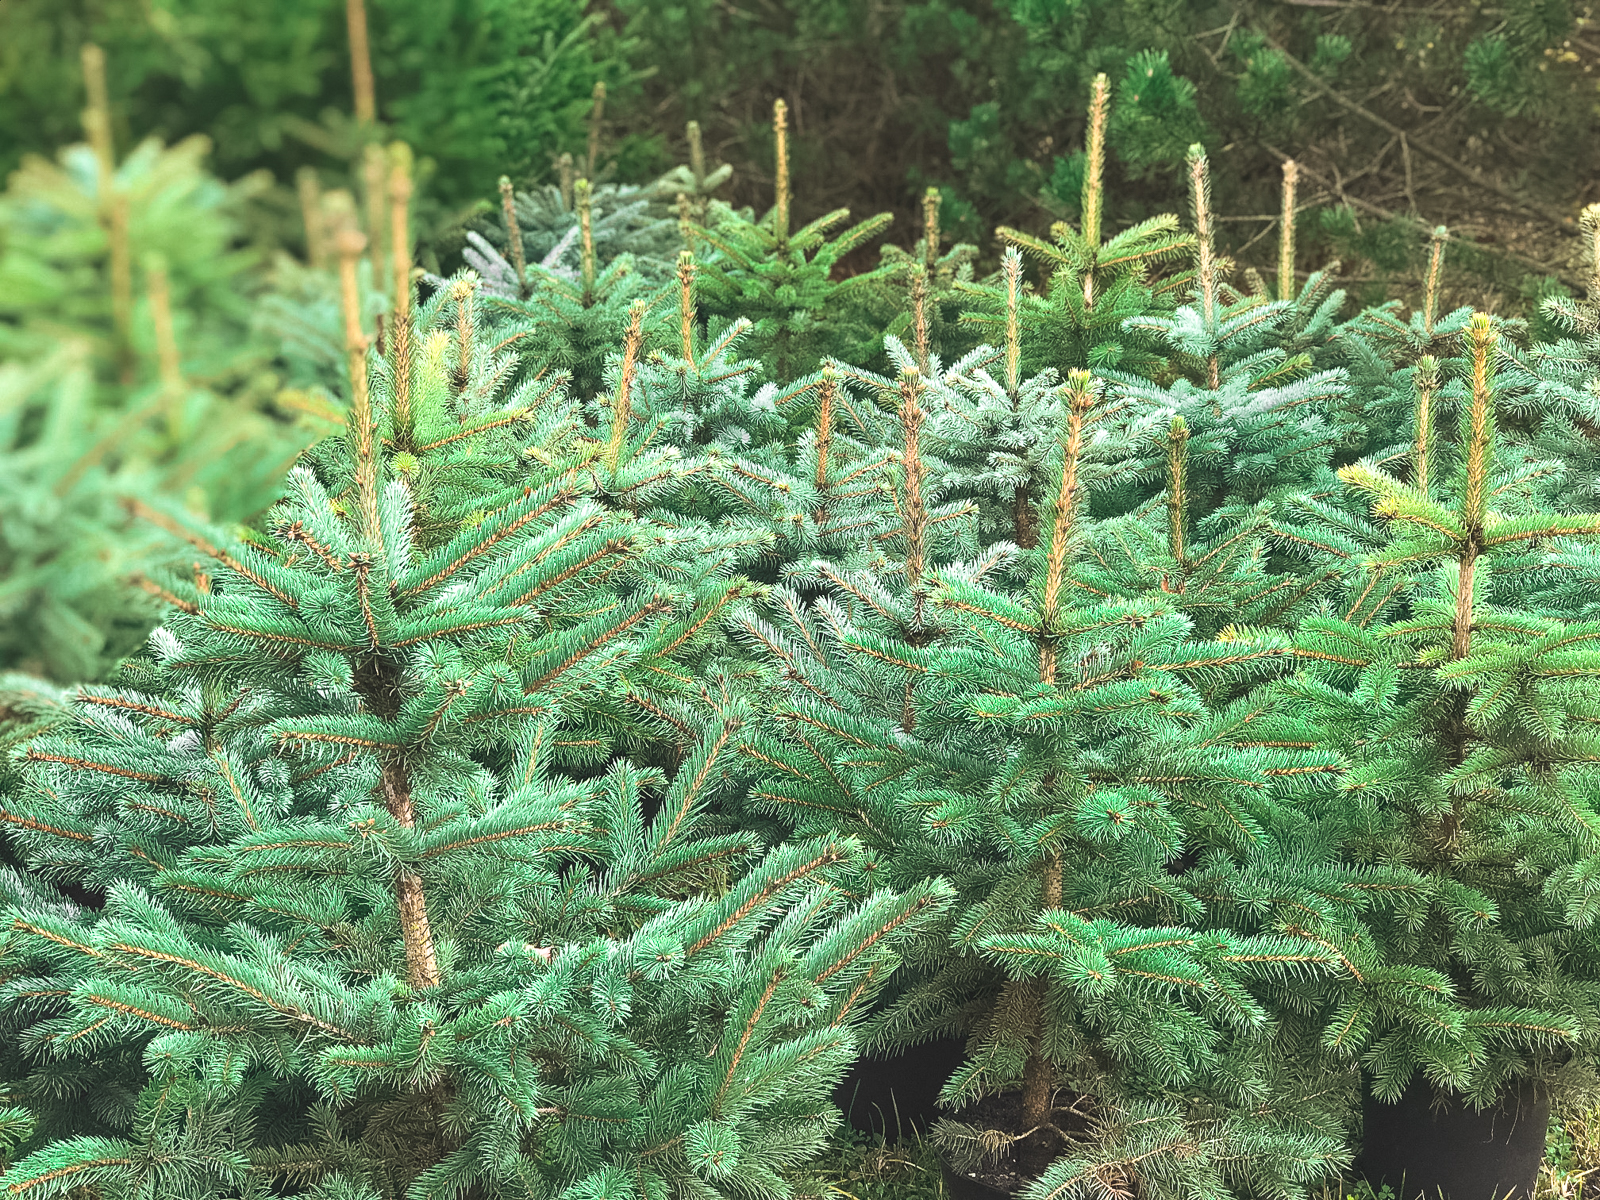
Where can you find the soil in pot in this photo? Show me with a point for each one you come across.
(894, 1095)
(1004, 1177)
(1439, 1147)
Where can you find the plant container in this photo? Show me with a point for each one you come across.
(897, 1093)
(1438, 1146)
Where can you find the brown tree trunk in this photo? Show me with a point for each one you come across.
(416, 931)
(1461, 641)
(1024, 518)
(1039, 1075)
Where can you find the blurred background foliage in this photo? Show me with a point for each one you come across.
(477, 87)
(1479, 115)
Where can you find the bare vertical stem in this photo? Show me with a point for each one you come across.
(1430, 295)
(348, 243)
(375, 191)
(1094, 177)
(597, 116)
(365, 94)
(310, 189)
(1426, 382)
(121, 284)
(1011, 264)
(1205, 251)
(686, 222)
(1177, 488)
(919, 315)
(508, 205)
(160, 292)
(622, 409)
(97, 113)
(930, 228)
(113, 207)
(564, 172)
(686, 303)
(581, 195)
(1286, 281)
(697, 156)
(780, 208)
(400, 233)
(1589, 224)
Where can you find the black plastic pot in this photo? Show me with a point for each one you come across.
(964, 1187)
(1439, 1148)
(896, 1094)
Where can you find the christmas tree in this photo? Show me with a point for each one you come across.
(1058, 760)
(1461, 711)
(365, 899)
(780, 278)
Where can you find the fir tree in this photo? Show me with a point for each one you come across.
(780, 278)
(1461, 710)
(1057, 760)
(1096, 284)
(370, 905)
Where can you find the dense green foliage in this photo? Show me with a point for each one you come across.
(689, 658)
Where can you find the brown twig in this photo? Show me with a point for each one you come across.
(1470, 174)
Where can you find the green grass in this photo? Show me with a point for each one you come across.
(861, 1167)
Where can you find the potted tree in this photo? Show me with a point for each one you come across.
(1460, 697)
